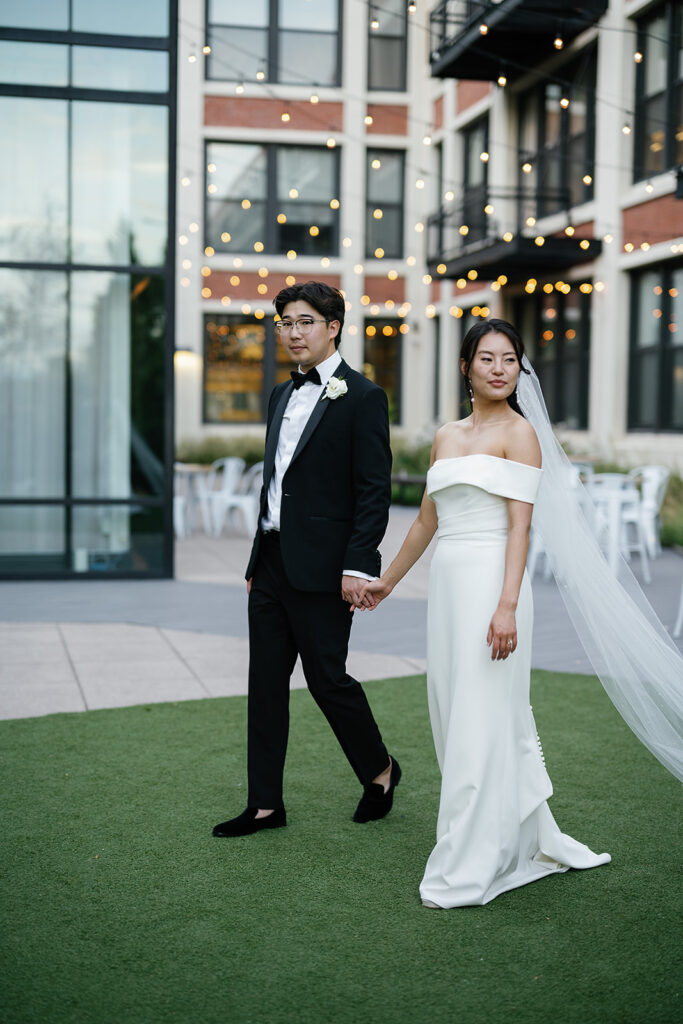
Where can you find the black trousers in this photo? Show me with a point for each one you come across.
(284, 623)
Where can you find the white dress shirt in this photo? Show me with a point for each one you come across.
(299, 407)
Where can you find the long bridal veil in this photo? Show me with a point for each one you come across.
(637, 662)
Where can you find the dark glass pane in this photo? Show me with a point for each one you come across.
(236, 12)
(33, 176)
(33, 63)
(546, 376)
(237, 53)
(113, 539)
(102, 67)
(553, 114)
(678, 146)
(308, 16)
(308, 57)
(233, 370)
(550, 181)
(32, 383)
(475, 143)
(385, 182)
(123, 18)
(677, 391)
(309, 228)
(382, 360)
(386, 233)
(386, 63)
(231, 228)
(120, 177)
(647, 390)
(571, 399)
(49, 14)
(391, 15)
(655, 45)
(32, 538)
(117, 384)
(650, 309)
(577, 168)
(653, 155)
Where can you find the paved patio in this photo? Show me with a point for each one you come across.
(77, 645)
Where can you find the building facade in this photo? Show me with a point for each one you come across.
(438, 163)
(87, 121)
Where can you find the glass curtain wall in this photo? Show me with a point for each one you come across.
(86, 287)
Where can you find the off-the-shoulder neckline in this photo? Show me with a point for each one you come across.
(484, 455)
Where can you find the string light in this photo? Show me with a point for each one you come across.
(427, 140)
(377, 214)
(508, 236)
(237, 262)
(484, 157)
(637, 56)
(374, 24)
(314, 98)
(584, 244)
(239, 88)
(206, 49)
(368, 119)
(412, 8)
(281, 218)
(527, 168)
(449, 197)
(379, 252)
(426, 279)
(206, 271)
(569, 230)
(194, 227)
(187, 264)
(558, 42)
(184, 281)
(502, 81)
(473, 275)
(246, 204)
(358, 269)
(608, 238)
(420, 183)
(442, 268)
(464, 230)
(539, 240)
(185, 181)
(489, 209)
(325, 263)
(226, 300)
(212, 189)
(192, 59)
(234, 280)
(206, 293)
(260, 75)
(587, 179)
(334, 204)
(376, 164)
(183, 239)
(263, 271)
(346, 242)
(461, 283)
(483, 29)
(626, 129)
(331, 143)
(649, 187)
(314, 230)
(419, 227)
(285, 117)
(291, 254)
(294, 193)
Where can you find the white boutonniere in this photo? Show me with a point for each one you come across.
(336, 386)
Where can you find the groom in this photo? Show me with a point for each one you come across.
(323, 512)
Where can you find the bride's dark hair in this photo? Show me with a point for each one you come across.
(470, 343)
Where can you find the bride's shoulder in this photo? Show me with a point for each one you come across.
(521, 443)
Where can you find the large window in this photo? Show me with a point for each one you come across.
(86, 281)
(656, 368)
(557, 139)
(382, 360)
(243, 361)
(555, 328)
(384, 207)
(387, 45)
(270, 198)
(294, 41)
(659, 92)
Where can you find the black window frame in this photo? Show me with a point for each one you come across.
(375, 34)
(158, 506)
(272, 66)
(554, 396)
(663, 353)
(371, 153)
(272, 203)
(583, 66)
(395, 411)
(674, 83)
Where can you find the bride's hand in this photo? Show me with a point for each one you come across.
(374, 592)
(502, 634)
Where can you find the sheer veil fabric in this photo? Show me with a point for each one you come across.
(635, 659)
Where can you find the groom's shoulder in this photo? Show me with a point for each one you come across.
(361, 384)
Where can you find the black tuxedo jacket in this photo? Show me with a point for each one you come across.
(337, 489)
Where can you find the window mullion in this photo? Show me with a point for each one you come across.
(274, 42)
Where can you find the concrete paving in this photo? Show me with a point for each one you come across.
(78, 645)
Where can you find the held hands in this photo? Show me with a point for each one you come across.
(502, 634)
(373, 592)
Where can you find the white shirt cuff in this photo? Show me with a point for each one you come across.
(359, 575)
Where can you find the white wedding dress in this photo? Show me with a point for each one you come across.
(495, 830)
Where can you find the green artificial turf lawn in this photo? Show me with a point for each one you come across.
(119, 906)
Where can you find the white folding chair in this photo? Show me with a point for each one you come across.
(653, 483)
(242, 497)
(617, 504)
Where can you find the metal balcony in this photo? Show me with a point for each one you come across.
(519, 34)
(490, 233)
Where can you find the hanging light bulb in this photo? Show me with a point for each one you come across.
(637, 56)
(564, 102)
(502, 81)
(483, 29)
(626, 128)
(412, 8)
(558, 42)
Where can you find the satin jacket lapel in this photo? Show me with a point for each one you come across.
(319, 410)
(274, 434)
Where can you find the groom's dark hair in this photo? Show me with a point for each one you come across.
(328, 301)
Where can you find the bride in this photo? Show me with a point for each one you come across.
(495, 830)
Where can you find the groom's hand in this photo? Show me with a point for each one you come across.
(351, 588)
(374, 592)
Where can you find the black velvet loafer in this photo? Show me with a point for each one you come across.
(375, 803)
(246, 823)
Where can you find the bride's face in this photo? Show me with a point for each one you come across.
(495, 368)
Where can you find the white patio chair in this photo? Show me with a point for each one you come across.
(536, 548)
(243, 497)
(653, 483)
(617, 504)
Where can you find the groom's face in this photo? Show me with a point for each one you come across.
(308, 343)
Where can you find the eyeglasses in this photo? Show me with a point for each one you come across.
(302, 326)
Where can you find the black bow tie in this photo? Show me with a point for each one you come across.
(303, 378)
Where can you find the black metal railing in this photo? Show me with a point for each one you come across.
(486, 215)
